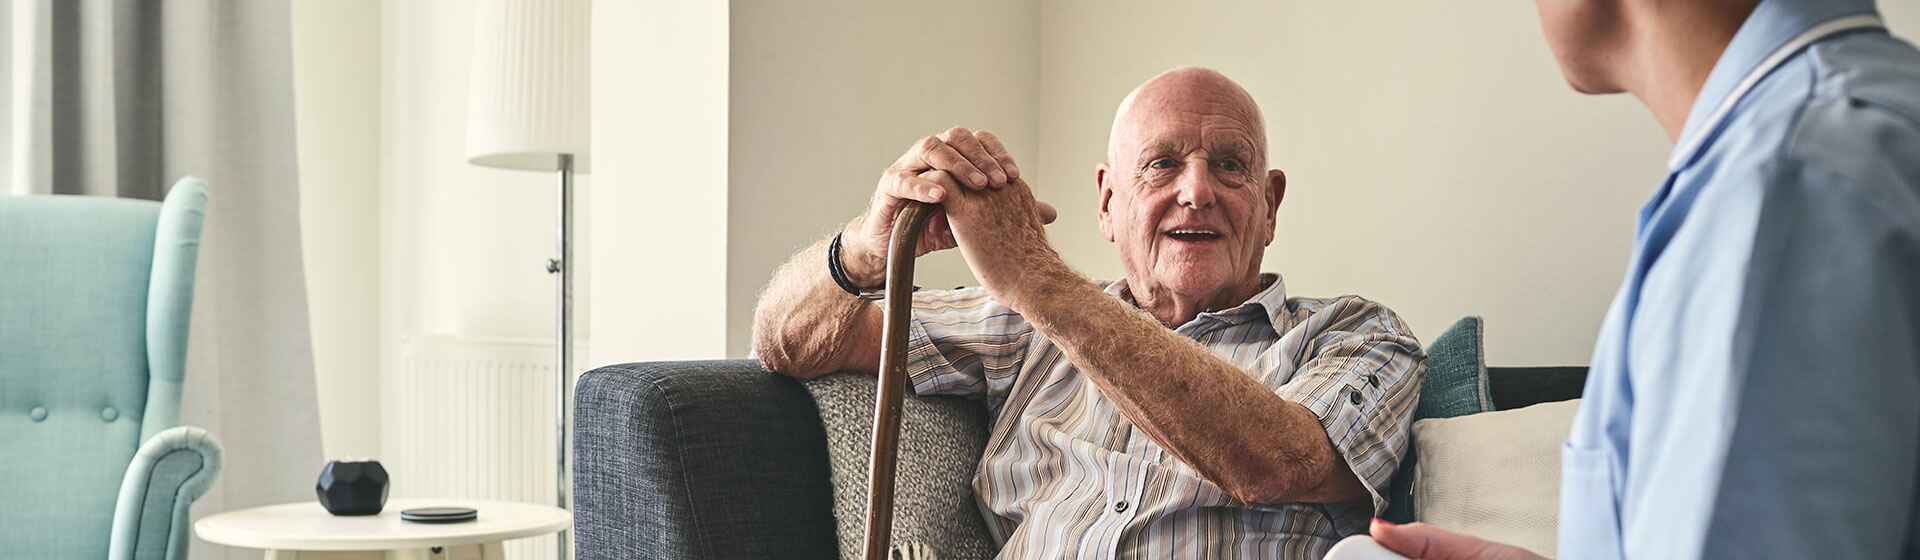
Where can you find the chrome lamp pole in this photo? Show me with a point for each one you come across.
(562, 269)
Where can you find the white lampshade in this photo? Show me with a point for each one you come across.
(528, 100)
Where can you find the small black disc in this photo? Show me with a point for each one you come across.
(439, 514)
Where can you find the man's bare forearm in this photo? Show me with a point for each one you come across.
(1238, 434)
(806, 326)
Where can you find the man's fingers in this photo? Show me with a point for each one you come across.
(963, 141)
(932, 153)
(999, 152)
(946, 181)
(910, 186)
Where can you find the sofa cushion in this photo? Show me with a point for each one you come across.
(1495, 475)
(941, 442)
(1456, 382)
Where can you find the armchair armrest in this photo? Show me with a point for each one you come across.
(170, 471)
(714, 459)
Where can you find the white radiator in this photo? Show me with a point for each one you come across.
(474, 418)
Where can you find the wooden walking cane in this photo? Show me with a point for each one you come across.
(893, 376)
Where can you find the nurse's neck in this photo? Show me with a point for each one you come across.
(1670, 50)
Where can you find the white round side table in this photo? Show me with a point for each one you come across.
(305, 531)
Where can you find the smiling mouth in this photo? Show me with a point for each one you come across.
(1194, 235)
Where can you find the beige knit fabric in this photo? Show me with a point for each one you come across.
(1495, 475)
(941, 441)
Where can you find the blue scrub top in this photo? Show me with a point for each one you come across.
(1755, 391)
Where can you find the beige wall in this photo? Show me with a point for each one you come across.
(660, 146)
(826, 94)
(468, 243)
(1436, 161)
(336, 80)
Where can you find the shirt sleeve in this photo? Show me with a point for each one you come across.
(963, 343)
(1825, 449)
(1360, 373)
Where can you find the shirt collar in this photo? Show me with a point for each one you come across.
(1772, 24)
(1271, 301)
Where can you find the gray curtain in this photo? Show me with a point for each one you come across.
(121, 98)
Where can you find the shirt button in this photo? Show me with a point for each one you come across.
(109, 414)
(1120, 506)
(1353, 397)
(38, 413)
(1373, 380)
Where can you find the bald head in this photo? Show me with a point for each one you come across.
(1179, 92)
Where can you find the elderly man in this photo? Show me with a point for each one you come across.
(1191, 409)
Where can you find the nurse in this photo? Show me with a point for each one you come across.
(1755, 392)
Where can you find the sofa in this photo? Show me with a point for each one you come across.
(724, 459)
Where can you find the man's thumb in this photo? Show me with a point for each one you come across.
(1047, 213)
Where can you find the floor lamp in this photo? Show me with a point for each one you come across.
(528, 109)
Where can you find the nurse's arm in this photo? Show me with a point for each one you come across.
(1825, 449)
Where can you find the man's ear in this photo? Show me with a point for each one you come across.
(1276, 191)
(1106, 198)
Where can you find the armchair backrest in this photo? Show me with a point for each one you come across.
(95, 296)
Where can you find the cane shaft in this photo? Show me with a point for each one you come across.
(891, 389)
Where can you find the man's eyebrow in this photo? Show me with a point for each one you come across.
(1236, 148)
(1161, 149)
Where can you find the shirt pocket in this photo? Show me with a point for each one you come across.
(1589, 508)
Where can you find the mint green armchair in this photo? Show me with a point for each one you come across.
(95, 295)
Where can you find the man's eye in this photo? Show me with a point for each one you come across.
(1161, 164)
(1230, 165)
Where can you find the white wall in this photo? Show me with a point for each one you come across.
(468, 243)
(336, 81)
(660, 147)
(825, 95)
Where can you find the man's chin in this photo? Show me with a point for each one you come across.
(1196, 283)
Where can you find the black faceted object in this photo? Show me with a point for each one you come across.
(352, 487)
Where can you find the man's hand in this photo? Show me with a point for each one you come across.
(930, 171)
(1421, 541)
(1000, 232)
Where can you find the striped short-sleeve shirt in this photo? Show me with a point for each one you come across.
(1066, 475)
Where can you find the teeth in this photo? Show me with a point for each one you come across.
(1192, 232)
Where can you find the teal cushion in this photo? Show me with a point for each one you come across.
(1456, 385)
(1456, 382)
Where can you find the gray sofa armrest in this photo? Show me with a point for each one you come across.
(171, 470)
(712, 459)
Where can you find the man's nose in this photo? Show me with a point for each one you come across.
(1195, 187)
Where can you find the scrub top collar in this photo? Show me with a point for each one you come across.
(1772, 25)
